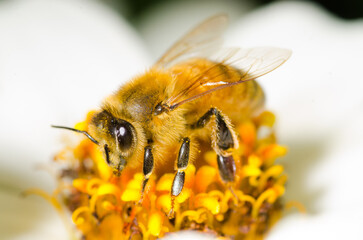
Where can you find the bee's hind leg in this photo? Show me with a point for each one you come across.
(227, 168)
(147, 169)
(223, 139)
(179, 179)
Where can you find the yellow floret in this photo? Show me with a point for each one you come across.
(107, 207)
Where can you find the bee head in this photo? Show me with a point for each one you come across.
(117, 137)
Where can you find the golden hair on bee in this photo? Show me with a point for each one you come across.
(194, 93)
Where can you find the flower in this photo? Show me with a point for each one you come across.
(104, 206)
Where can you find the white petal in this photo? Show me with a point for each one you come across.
(29, 218)
(58, 60)
(183, 235)
(317, 97)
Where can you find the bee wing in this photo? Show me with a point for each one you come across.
(200, 41)
(252, 63)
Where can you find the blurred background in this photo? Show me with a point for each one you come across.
(349, 9)
(60, 58)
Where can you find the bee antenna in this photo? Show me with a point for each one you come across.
(79, 131)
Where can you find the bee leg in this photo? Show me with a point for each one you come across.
(179, 179)
(223, 139)
(147, 169)
(227, 168)
(223, 136)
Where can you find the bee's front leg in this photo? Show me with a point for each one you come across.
(148, 167)
(223, 139)
(179, 179)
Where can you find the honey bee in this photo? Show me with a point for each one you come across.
(195, 92)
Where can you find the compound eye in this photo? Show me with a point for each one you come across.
(124, 133)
